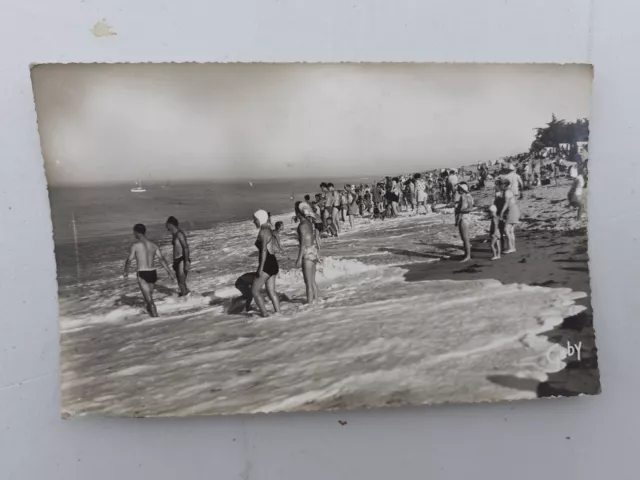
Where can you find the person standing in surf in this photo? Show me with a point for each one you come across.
(145, 252)
(327, 214)
(276, 234)
(309, 252)
(336, 202)
(352, 203)
(464, 207)
(267, 264)
(181, 254)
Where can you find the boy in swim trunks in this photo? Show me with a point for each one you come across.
(494, 232)
(181, 256)
(145, 252)
(309, 252)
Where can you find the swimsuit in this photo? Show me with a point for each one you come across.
(513, 212)
(310, 253)
(149, 276)
(177, 262)
(271, 263)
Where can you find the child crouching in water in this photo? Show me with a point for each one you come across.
(494, 232)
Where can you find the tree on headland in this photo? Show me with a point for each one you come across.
(558, 132)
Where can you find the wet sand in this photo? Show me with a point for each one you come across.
(552, 251)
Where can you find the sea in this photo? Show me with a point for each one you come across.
(373, 340)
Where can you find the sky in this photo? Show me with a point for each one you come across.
(106, 123)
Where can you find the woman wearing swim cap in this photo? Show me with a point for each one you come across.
(267, 264)
(309, 252)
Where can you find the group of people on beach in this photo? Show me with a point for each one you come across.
(384, 199)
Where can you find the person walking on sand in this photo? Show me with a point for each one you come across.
(464, 206)
(510, 213)
(494, 232)
(181, 254)
(421, 197)
(309, 252)
(556, 169)
(452, 185)
(514, 180)
(145, 252)
(498, 201)
(267, 264)
(575, 195)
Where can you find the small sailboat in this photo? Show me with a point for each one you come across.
(291, 196)
(138, 188)
(251, 184)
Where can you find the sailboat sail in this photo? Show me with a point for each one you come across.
(138, 188)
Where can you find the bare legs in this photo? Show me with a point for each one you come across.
(580, 205)
(495, 248)
(181, 276)
(271, 292)
(463, 226)
(147, 293)
(425, 205)
(509, 230)
(334, 219)
(309, 275)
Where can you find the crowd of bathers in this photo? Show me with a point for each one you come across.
(329, 209)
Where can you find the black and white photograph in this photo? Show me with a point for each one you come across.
(257, 238)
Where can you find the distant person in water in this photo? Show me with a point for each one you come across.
(464, 206)
(327, 214)
(267, 264)
(309, 252)
(276, 233)
(352, 204)
(494, 232)
(144, 252)
(335, 207)
(181, 254)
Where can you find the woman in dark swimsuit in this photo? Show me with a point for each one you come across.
(267, 264)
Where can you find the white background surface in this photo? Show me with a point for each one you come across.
(519, 440)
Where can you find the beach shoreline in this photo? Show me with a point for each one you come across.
(406, 267)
